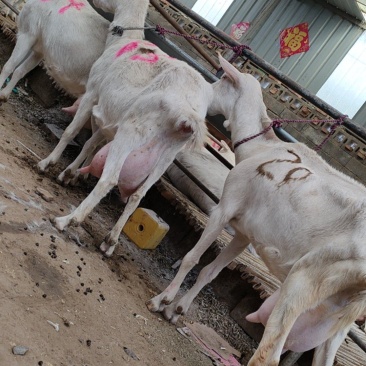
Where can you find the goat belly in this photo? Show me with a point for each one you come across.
(138, 166)
(310, 330)
(97, 164)
(135, 170)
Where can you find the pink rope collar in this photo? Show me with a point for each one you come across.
(278, 123)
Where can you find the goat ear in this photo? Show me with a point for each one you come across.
(231, 72)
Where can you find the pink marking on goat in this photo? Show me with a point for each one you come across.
(147, 43)
(73, 4)
(129, 47)
(150, 58)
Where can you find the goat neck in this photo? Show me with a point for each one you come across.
(239, 98)
(248, 117)
(129, 14)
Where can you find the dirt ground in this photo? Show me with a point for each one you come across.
(48, 277)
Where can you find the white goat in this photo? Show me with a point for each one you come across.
(69, 35)
(305, 219)
(149, 104)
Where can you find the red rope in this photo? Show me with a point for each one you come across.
(237, 49)
(278, 123)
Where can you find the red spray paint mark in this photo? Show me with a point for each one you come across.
(151, 58)
(129, 47)
(73, 4)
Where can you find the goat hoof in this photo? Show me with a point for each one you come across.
(108, 245)
(104, 247)
(170, 315)
(61, 222)
(156, 304)
(43, 165)
(40, 169)
(55, 221)
(65, 177)
(74, 223)
(110, 251)
(165, 301)
(74, 181)
(151, 306)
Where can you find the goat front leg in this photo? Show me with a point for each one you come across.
(110, 242)
(70, 175)
(82, 115)
(213, 228)
(207, 274)
(307, 285)
(324, 354)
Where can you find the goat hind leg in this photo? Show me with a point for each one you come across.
(306, 286)
(207, 274)
(324, 354)
(21, 52)
(82, 115)
(29, 64)
(213, 228)
(111, 240)
(69, 175)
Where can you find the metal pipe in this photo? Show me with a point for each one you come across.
(152, 35)
(218, 156)
(199, 49)
(11, 7)
(357, 339)
(195, 180)
(290, 359)
(334, 113)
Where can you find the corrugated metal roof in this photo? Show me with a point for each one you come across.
(362, 5)
(331, 36)
(351, 7)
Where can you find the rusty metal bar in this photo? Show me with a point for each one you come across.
(199, 49)
(11, 7)
(334, 113)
